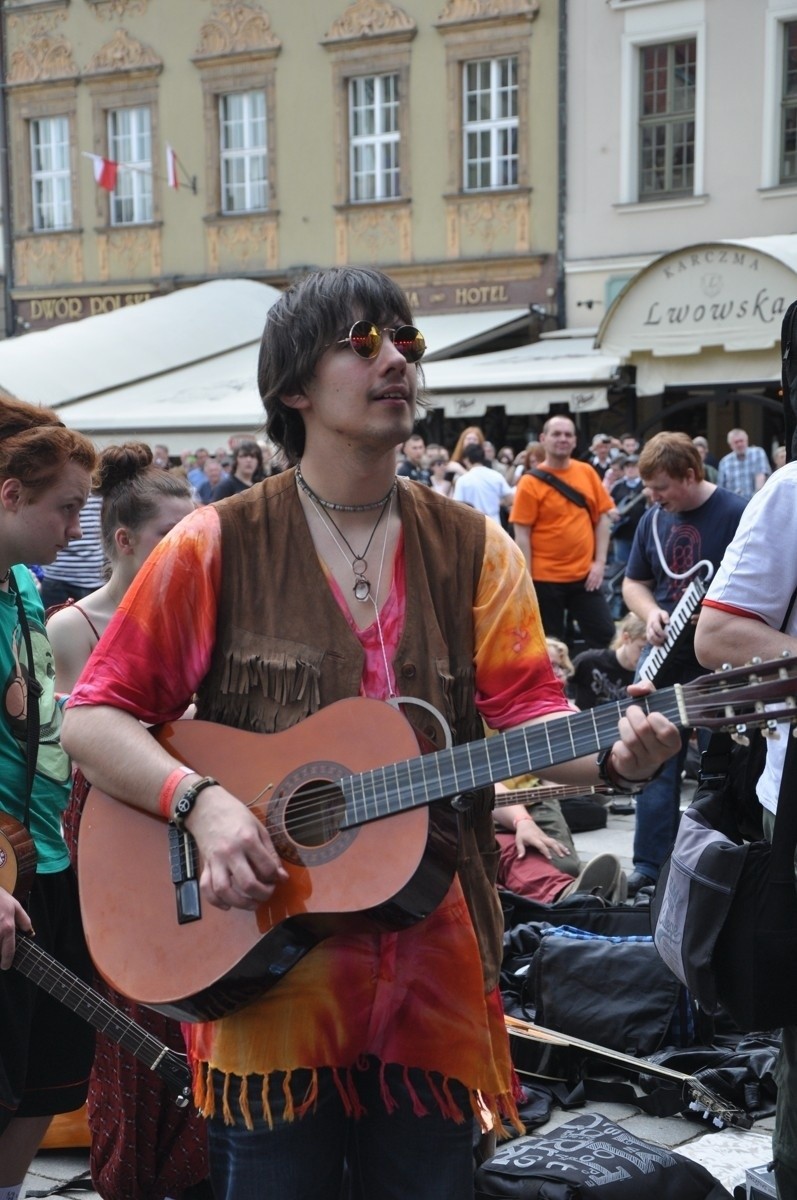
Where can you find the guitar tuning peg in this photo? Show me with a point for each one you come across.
(771, 730)
(726, 667)
(756, 660)
(740, 737)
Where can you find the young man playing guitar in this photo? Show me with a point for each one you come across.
(337, 580)
(45, 1051)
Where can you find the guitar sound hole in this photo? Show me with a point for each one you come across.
(304, 817)
(313, 814)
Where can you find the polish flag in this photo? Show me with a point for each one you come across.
(105, 171)
(171, 168)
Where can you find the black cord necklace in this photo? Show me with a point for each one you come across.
(330, 504)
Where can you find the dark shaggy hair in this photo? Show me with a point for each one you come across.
(306, 319)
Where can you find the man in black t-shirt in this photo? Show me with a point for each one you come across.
(683, 536)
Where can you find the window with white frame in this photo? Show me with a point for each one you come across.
(490, 123)
(244, 175)
(668, 86)
(788, 105)
(51, 183)
(374, 138)
(130, 145)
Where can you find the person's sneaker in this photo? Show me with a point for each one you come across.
(602, 876)
(636, 881)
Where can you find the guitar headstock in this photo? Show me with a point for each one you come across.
(739, 698)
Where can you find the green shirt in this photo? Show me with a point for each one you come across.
(51, 785)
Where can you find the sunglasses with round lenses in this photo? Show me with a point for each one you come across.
(365, 339)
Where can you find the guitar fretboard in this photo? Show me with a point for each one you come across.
(63, 985)
(405, 785)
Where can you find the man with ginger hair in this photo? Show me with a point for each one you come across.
(682, 536)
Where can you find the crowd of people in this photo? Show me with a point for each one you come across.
(343, 1078)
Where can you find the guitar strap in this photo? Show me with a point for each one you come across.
(570, 493)
(34, 692)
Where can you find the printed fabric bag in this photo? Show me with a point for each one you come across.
(590, 1158)
(725, 910)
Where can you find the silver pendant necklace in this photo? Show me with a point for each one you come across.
(358, 562)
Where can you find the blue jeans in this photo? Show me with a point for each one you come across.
(658, 811)
(329, 1155)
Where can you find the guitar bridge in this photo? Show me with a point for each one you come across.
(183, 862)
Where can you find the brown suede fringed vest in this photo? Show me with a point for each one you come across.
(284, 649)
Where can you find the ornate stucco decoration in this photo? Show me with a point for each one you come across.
(45, 260)
(122, 54)
(40, 50)
(118, 10)
(460, 12)
(46, 56)
(370, 19)
(236, 29)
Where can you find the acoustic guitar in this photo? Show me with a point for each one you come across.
(17, 868)
(365, 828)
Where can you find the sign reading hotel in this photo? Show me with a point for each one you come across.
(719, 294)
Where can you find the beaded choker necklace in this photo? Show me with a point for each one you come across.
(374, 504)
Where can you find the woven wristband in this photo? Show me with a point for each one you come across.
(169, 788)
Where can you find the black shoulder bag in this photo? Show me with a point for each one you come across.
(558, 485)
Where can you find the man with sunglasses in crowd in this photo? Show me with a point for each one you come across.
(336, 579)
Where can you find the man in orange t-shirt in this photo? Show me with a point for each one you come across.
(565, 545)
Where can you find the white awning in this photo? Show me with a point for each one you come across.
(448, 334)
(116, 349)
(528, 379)
(204, 402)
(181, 369)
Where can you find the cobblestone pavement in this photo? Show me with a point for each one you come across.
(726, 1154)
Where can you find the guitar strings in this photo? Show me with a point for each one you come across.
(304, 807)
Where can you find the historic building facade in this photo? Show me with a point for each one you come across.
(682, 138)
(419, 137)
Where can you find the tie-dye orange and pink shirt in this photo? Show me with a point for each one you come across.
(414, 998)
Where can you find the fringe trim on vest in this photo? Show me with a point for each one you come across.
(283, 679)
(492, 1112)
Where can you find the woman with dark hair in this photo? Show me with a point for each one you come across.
(140, 504)
(45, 1050)
(143, 1146)
(247, 468)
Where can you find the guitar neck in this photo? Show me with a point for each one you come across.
(414, 782)
(546, 791)
(703, 1096)
(63, 985)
